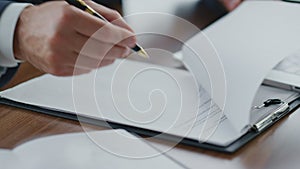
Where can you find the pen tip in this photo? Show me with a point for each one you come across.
(143, 53)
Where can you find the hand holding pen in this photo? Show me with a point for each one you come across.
(81, 4)
(50, 36)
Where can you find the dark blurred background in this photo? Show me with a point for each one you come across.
(211, 10)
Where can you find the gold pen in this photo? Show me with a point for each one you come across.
(85, 7)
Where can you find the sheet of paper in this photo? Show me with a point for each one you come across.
(8, 159)
(290, 64)
(159, 98)
(128, 92)
(101, 149)
(246, 46)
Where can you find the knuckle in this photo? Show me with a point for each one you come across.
(67, 15)
(127, 35)
(107, 33)
(115, 14)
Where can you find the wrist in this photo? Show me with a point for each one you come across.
(18, 33)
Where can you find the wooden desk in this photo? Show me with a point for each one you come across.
(276, 148)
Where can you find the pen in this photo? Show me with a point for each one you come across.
(83, 6)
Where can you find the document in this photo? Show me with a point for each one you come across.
(290, 65)
(159, 98)
(98, 149)
(231, 58)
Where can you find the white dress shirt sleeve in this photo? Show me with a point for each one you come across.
(8, 21)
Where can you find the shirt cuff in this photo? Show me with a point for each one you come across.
(8, 21)
(2, 71)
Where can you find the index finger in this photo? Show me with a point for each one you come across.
(88, 25)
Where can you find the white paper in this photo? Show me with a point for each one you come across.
(247, 158)
(101, 149)
(160, 98)
(249, 41)
(9, 160)
(290, 65)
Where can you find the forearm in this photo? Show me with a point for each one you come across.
(9, 13)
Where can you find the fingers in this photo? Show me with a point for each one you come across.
(51, 36)
(230, 4)
(104, 51)
(87, 69)
(74, 65)
(73, 71)
(97, 49)
(88, 61)
(89, 25)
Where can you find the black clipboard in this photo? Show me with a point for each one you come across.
(231, 148)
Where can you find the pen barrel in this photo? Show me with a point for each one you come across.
(76, 4)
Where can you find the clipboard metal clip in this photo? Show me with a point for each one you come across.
(272, 117)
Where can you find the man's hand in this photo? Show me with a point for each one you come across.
(50, 36)
(230, 4)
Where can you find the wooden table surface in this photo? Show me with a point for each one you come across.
(276, 148)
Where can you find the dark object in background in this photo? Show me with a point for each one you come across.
(295, 1)
(211, 4)
(114, 4)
